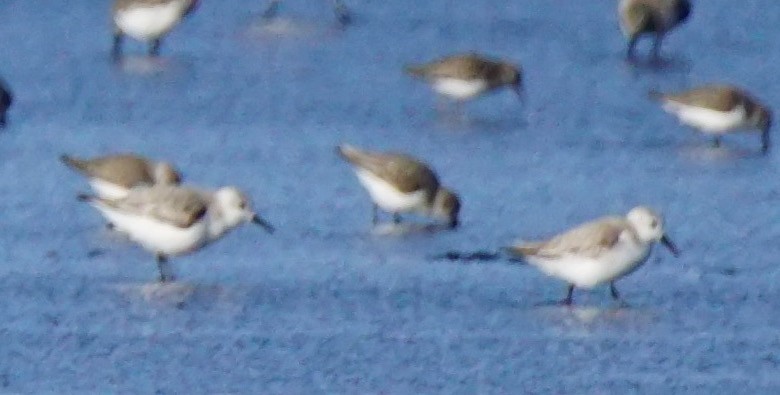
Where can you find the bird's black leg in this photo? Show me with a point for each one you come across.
(657, 47)
(631, 46)
(569, 293)
(342, 13)
(396, 218)
(3, 119)
(271, 10)
(613, 291)
(374, 214)
(154, 49)
(116, 48)
(161, 266)
(716, 142)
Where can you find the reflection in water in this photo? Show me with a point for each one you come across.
(143, 65)
(707, 153)
(615, 315)
(408, 228)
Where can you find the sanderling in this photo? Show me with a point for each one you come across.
(147, 21)
(653, 17)
(599, 251)
(717, 110)
(6, 98)
(112, 176)
(342, 13)
(398, 183)
(463, 77)
(171, 220)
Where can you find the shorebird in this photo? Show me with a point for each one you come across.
(147, 21)
(398, 184)
(464, 77)
(112, 176)
(170, 220)
(342, 13)
(651, 17)
(6, 99)
(717, 110)
(597, 252)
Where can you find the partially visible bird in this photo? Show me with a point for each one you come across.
(170, 220)
(147, 21)
(342, 13)
(112, 176)
(717, 110)
(597, 252)
(398, 184)
(651, 17)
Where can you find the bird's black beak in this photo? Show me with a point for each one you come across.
(765, 140)
(668, 243)
(259, 221)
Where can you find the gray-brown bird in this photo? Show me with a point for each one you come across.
(398, 184)
(147, 21)
(463, 77)
(651, 17)
(112, 176)
(717, 110)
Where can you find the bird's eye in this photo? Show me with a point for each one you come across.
(242, 205)
(654, 224)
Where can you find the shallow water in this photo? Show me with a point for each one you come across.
(328, 304)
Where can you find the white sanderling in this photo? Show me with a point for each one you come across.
(170, 220)
(599, 251)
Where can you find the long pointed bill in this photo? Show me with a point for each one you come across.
(259, 221)
(668, 243)
(765, 142)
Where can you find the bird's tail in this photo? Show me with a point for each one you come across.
(416, 71)
(73, 163)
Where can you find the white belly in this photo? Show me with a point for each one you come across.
(587, 273)
(459, 89)
(107, 190)
(148, 23)
(156, 236)
(387, 197)
(706, 120)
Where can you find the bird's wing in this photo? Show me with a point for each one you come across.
(588, 240)
(177, 206)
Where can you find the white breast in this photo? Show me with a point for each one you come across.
(459, 89)
(156, 236)
(706, 120)
(146, 23)
(107, 190)
(387, 197)
(586, 272)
